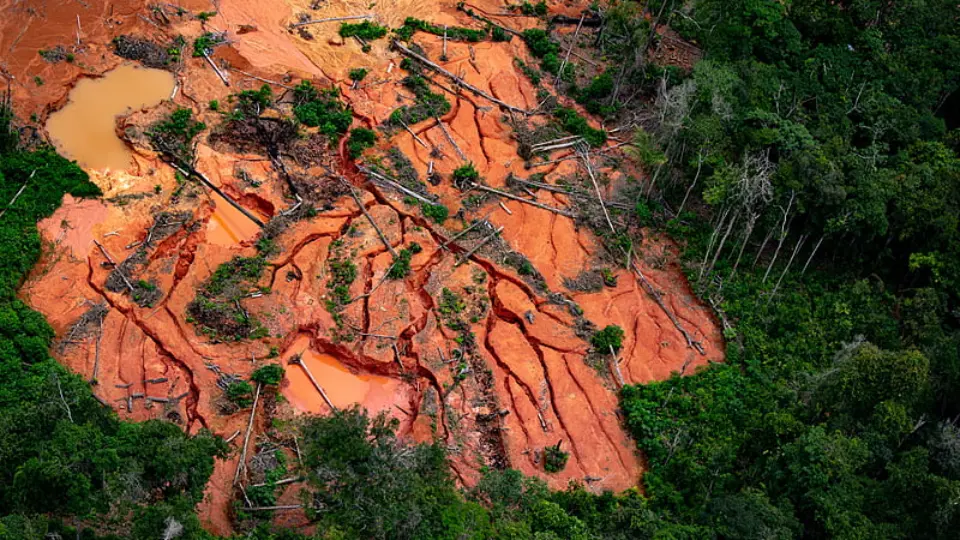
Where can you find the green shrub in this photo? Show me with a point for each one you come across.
(498, 34)
(539, 43)
(554, 459)
(205, 44)
(592, 95)
(539, 9)
(401, 264)
(436, 212)
(175, 134)
(428, 105)
(450, 303)
(240, 393)
(254, 102)
(269, 374)
(360, 140)
(358, 74)
(322, 109)
(611, 336)
(465, 175)
(577, 125)
(455, 33)
(365, 30)
(530, 72)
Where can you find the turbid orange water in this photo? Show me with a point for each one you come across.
(343, 386)
(84, 129)
(228, 226)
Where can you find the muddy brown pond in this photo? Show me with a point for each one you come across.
(84, 129)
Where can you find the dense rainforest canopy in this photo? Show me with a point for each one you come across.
(808, 164)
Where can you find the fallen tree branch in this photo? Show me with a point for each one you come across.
(409, 53)
(190, 171)
(383, 237)
(17, 196)
(261, 79)
(114, 263)
(395, 185)
(542, 206)
(474, 249)
(331, 19)
(216, 69)
(465, 231)
(450, 138)
(246, 438)
(299, 361)
(570, 48)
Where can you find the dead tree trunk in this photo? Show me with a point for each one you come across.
(692, 185)
(710, 244)
(246, 438)
(723, 241)
(751, 222)
(796, 249)
(566, 58)
(812, 253)
(783, 236)
(407, 52)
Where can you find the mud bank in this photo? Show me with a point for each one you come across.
(497, 374)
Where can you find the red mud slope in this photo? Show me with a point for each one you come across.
(527, 383)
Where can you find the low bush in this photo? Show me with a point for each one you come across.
(365, 30)
(360, 140)
(322, 109)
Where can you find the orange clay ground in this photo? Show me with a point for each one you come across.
(530, 385)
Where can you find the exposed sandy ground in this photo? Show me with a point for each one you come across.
(539, 389)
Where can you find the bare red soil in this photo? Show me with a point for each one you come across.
(531, 386)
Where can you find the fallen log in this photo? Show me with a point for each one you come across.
(290, 480)
(391, 183)
(585, 155)
(114, 263)
(615, 363)
(261, 79)
(96, 359)
(409, 53)
(554, 141)
(542, 206)
(17, 196)
(216, 69)
(570, 49)
(658, 298)
(482, 243)
(271, 508)
(591, 22)
(331, 19)
(299, 361)
(465, 231)
(190, 171)
(246, 438)
(450, 138)
(383, 237)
